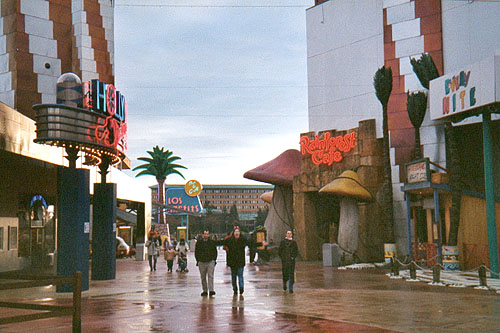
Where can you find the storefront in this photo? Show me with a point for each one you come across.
(319, 213)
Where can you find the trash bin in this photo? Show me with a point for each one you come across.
(139, 252)
(331, 254)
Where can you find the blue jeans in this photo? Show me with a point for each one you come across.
(239, 273)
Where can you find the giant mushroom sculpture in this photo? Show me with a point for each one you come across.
(350, 190)
(279, 172)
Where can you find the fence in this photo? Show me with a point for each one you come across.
(49, 311)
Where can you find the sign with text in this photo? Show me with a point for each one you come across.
(417, 171)
(466, 89)
(178, 198)
(329, 149)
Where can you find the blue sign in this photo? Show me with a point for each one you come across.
(178, 198)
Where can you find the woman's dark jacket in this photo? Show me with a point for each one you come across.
(236, 251)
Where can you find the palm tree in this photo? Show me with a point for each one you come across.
(416, 106)
(382, 82)
(160, 165)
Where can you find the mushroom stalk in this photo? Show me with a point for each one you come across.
(348, 225)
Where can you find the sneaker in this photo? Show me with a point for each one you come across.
(212, 293)
(204, 293)
(235, 292)
(242, 291)
(291, 291)
(284, 287)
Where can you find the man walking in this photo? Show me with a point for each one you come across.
(288, 252)
(205, 253)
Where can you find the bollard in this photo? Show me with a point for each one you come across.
(77, 303)
(436, 274)
(342, 259)
(396, 267)
(413, 271)
(482, 276)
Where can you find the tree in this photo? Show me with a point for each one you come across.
(260, 219)
(416, 106)
(160, 164)
(382, 82)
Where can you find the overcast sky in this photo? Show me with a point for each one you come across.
(223, 84)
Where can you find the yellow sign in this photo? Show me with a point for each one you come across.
(193, 188)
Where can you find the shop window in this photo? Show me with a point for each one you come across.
(1, 238)
(12, 238)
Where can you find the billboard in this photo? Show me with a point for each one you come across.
(178, 198)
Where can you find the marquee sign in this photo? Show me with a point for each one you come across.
(327, 150)
(178, 198)
(466, 89)
(93, 119)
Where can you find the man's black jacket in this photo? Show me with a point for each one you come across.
(205, 250)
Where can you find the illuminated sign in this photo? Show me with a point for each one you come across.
(193, 188)
(98, 129)
(469, 88)
(178, 198)
(328, 149)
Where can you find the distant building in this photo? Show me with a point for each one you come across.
(223, 197)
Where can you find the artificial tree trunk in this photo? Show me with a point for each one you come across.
(348, 225)
(418, 148)
(161, 199)
(386, 196)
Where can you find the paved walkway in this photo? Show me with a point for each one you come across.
(325, 300)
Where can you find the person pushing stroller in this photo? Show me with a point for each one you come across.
(182, 250)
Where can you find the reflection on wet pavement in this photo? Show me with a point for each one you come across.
(325, 300)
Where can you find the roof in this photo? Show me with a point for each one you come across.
(278, 171)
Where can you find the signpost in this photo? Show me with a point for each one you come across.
(183, 201)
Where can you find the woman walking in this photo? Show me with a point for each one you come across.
(153, 245)
(236, 258)
(288, 252)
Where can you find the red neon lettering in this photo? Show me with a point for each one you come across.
(328, 149)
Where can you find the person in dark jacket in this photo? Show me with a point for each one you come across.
(288, 252)
(205, 253)
(236, 258)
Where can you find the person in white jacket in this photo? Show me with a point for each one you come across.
(153, 245)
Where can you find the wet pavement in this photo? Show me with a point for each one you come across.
(325, 300)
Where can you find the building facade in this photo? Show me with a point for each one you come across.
(349, 40)
(40, 40)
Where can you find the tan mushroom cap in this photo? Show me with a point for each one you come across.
(348, 185)
(267, 196)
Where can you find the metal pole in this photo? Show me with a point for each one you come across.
(77, 302)
(489, 188)
(408, 224)
(437, 219)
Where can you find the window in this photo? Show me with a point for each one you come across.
(12, 238)
(1, 238)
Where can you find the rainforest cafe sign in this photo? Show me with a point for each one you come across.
(329, 149)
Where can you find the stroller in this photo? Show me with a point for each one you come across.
(182, 263)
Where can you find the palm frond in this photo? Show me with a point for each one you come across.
(382, 82)
(416, 106)
(425, 69)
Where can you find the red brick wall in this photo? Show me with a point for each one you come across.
(401, 131)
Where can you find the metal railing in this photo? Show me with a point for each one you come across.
(49, 311)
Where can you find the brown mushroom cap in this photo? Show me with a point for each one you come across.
(278, 171)
(267, 196)
(348, 185)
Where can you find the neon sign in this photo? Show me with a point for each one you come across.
(110, 131)
(329, 149)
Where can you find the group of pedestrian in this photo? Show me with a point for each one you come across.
(154, 246)
(235, 244)
(206, 258)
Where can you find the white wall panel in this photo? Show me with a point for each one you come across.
(38, 27)
(391, 3)
(39, 65)
(406, 29)
(46, 84)
(410, 46)
(4, 63)
(42, 46)
(38, 8)
(400, 13)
